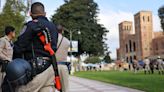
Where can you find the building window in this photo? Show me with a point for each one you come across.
(130, 45)
(127, 28)
(134, 46)
(148, 19)
(127, 59)
(143, 18)
(126, 48)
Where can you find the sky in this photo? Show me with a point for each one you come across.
(112, 12)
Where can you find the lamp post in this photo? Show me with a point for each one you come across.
(71, 34)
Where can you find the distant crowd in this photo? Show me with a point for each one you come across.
(147, 65)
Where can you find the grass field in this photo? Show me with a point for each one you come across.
(148, 83)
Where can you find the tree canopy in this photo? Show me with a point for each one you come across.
(82, 15)
(107, 58)
(12, 14)
(93, 60)
(161, 16)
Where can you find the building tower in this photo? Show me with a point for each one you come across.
(125, 29)
(144, 30)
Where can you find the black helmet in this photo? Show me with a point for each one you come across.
(18, 72)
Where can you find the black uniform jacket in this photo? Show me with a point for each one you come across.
(28, 37)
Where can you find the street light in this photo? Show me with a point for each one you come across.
(71, 32)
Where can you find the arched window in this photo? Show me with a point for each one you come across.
(134, 46)
(143, 18)
(130, 45)
(148, 19)
(127, 59)
(126, 48)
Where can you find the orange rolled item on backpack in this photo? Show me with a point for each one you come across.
(48, 48)
(58, 84)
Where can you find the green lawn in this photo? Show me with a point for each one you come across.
(148, 83)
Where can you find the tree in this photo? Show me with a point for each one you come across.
(93, 60)
(82, 15)
(12, 15)
(107, 58)
(161, 16)
(66, 1)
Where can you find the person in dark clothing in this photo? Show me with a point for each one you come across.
(28, 36)
(29, 46)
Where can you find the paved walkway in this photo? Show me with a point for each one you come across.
(85, 85)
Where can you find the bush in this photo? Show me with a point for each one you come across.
(93, 60)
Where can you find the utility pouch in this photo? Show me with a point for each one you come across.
(39, 65)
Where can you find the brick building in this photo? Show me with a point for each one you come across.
(142, 42)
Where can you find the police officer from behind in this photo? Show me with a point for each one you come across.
(61, 56)
(6, 50)
(30, 47)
